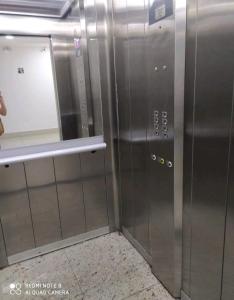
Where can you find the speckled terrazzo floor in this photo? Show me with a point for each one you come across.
(104, 268)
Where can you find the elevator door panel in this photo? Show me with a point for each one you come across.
(94, 188)
(137, 17)
(160, 135)
(70, 194)
(15, 209)
(212, 120)
(43, 199)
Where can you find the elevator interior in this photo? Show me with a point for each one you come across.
(142, 95)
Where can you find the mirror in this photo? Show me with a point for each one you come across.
(46, 93)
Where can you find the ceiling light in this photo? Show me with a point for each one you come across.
(9, 37)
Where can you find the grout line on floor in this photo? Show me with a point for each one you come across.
(76, 277)
(138, 292)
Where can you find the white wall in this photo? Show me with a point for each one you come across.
(29, 97)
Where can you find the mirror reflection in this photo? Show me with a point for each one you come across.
(43, 96)
(29, 110)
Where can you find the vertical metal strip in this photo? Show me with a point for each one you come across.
(193, 129)
(55, 87)
(105, 157)
(84, 41)
(227, 191)
(106, 189)
(179, 76)
(29, 204)
(57, 194)
(82, 185)
(3, 259)
(104, 30)
(128, 2)
(118, 165)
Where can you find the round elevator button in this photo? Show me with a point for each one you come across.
(162, 161)
(169, 164)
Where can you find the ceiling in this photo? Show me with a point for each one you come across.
(48, 8)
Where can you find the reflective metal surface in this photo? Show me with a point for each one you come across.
(52, 199)
(160, 74)
(73, 53)
(70, 195)
(15, 210)
(208, 113)
(137, 18)
(149, 62)
(107, 79)
(77, 93)
(188, 142)
(3, 254)
(120, 18)
(19, 257)
(129, 31)
(179, 82)
(42, 151)
(19, 25)
(228, 263)
(94, 189)
(48, 8)
(43, 201)
(84, 84)
(79, 192)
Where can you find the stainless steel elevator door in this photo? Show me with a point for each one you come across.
(210, 98)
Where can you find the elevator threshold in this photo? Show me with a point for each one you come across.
(57, 245)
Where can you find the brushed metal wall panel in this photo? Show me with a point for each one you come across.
(94, 188)
(99, 187)
(137, 18)
(95, 203)
(188, 143)
(3, 254)
(92, 164)
(160, 74)
(70, 195)
(213, 94)
(124, 113)
(43, 199)
(15, 209)
(104, 30)
(66, 90)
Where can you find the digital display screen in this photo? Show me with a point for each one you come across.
(160, 9)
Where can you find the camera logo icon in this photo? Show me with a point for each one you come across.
(15, 289)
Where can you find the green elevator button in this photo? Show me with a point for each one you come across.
(162, 161)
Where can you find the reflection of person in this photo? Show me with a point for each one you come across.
(3, 112)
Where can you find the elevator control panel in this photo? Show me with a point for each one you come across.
(161, 160)
(159, 10)
(160, 123)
